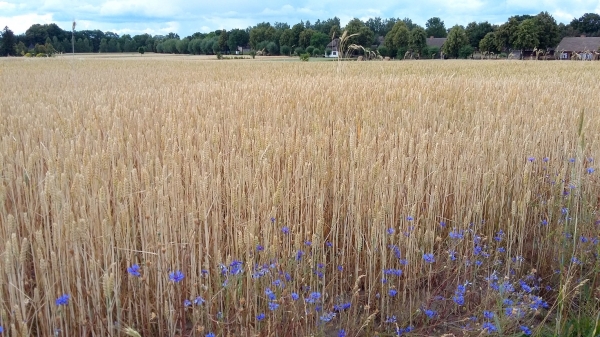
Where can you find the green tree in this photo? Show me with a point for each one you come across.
(377, 25)
(365, 36)
(261, 33)
(297, 29)
(182, 46)
(588, 23)
(417, 39)
(527, 35)
(435, 27)
(507, 33)
(305, 36)
(383, 51)
(457, 39)
(8, 43)
(223, 40)
(477, 31)
(409, 24)
(319, 40)
(396, 38)
(548, 35)
(237, 38)
(272, 48)
(103, 46)
(489, 44)
(20, 48)
(286, 38)
(141, 50)
(286, 50)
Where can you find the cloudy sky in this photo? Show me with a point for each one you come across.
(186, 17)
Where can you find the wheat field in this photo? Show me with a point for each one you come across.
(150, 197)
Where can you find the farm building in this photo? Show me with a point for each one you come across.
(578, 48)
(334, 47)
(437, 42)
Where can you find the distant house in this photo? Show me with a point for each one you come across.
(579, 48)
(437, 42)
(334, 47)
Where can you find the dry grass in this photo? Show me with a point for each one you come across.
(181, 164)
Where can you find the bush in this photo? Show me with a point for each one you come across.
(40, 55)
(401, 52)
(304, 57)
(141, 50)
(219, 55)
(433, 52)
(327, 52)
(503, 55)
(299, 51)
(286, 50)
(28, 55)
(309, 50)
(253, 53)
(272, 48)
(465, 52)
(317, 52)
(383, 51)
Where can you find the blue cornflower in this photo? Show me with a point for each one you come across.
(187, 303)
(295, 296)
(270, 294)
(260, 317)
(409, 218)
(272, 219)
(488, 314)
(329, 244)
(308, 243)
(176, 276)
(452, 255)
(429, 258)
(459, 299)
(457, 235)
(531, 159)
(299, 255)
(327, 317)
(285, 230)
(429, 313)
(590, 170)
(273, 306)
(546, 159)
(210, 334)
(340, 268)
(198, 300)
(391, 231)
(260, 248)
(236, 267)
(489, 327)
(313, 297)
(526, 331)
(544, 222)
(391, 319)
(134, 270)
(508, 301)
(341, 333)
(443, 224)
(2, 329)
(501, 250)
(461, 289)
(499, 236)
(396, 272)
(572, 160)
(342, 307)
(278, 283)
(63, 300)
(392, 292)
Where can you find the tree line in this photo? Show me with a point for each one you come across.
(391, 37)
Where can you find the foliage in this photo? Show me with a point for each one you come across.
(435, 27)
(253, 53)
(305, 38)
(506, 34)
(7, 43)
(237, 38)
(182, 46)
(304, 57)
(383, 51)
(588, 23)
(364, 36)
(548, 35)
(477, 31)
(142, 50)
(466, 51)
(417, 39)
(527, 35)
(309, 50)
(272, 48)
(219, 56)
(285, 50)
(317, 52)
(431, 52)
(222, 40)
(298, 51)
(489, 43)
(398, 37)
(319, 40)
(457, 39)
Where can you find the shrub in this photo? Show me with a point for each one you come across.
(253, 53)
(286, 50)
(304, 57)
(309, 50)
(219, 55)
(141, 50)
(401, 52)
(40, 55)
(317, 52)
(272, 48)
(465, 51)
(327, 52)
(298, 51)
(28, 55)
(383, 51)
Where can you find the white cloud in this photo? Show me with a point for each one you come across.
(20, 23)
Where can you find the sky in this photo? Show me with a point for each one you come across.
(160, 17)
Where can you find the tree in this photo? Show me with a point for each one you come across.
(588, 23)
(548, 35)
(417, 39)
(261, 33)
(409, 24)
(182, 46)
(527, 35)
(507, 33)
(272, 48)
(457, 39)
(477, 31)
(141, 50)
(435, 27)
(297, 29)
(103, 46)
(365, 36)
(396, 38)
(377, 25)
(489, 44)
(8, 43)
(286, 50)
(319, 40)
(223, 40)
(237, 38)
(305, 36)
